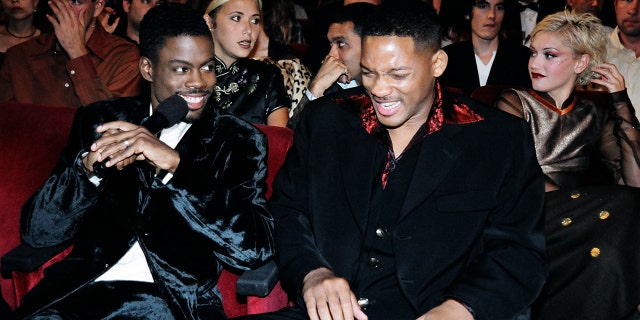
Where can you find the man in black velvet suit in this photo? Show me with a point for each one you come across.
(151, 237)
(403, 202)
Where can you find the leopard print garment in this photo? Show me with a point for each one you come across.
(296, 78)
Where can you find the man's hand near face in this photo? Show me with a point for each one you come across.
(331, 70)
(70, 26)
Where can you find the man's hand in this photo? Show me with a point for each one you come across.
(70, 27)
(104, 17)
(330, 71)
(448, 310)
(329, 298)
(122, 143)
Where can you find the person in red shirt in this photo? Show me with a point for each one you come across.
(77, 64)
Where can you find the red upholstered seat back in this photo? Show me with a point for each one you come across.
(31, 139)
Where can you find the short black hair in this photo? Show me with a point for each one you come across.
(408, 18)
(356, 12)
(169, 20)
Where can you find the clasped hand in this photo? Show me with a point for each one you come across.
(123, 143)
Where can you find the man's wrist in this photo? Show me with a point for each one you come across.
(83, 165)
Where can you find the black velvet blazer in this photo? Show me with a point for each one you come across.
(470, 225)
(212, 213)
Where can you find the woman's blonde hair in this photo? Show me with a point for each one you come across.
(215, 4)
(582, 33)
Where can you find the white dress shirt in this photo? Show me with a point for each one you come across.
(133, 266)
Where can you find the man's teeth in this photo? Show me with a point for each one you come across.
(193, 99)
(390, 105)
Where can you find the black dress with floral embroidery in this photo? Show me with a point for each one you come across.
(249, 89)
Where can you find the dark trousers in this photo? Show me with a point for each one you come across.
(109, 300)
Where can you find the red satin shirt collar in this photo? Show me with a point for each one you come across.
(458, 113)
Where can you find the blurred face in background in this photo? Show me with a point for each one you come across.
(486, 18)
(628, 17)
(19, 9)
(345, 46)
(136, 9)
(586, 6)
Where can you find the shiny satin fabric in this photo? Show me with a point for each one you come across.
(569, 139)
(211, 214)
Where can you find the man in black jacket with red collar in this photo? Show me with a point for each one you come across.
(404, 203)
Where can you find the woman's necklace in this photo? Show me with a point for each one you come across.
(22, 37)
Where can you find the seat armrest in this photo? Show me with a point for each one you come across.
(26, 258)
(258, 282)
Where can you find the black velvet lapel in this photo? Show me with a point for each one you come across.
(443, 153)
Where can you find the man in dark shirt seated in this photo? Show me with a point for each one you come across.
(404, 203)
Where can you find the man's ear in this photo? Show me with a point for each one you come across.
(439, 62)
(582, 63)
(146, 68)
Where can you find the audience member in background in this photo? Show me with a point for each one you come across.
(623, 48)
(298, 31)
(592, 237)
(403, 203)
(341, 67)
(518, 27)
(588, 6)
(585, 6)
(77, 64)
(321, 21)
(248, 88)
(18, 24)
(151, 238)
(271, 47)
(135, 10)
(494, 59)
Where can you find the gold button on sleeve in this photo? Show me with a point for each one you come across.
(595, 252)
(566, 221)
(604, 214)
